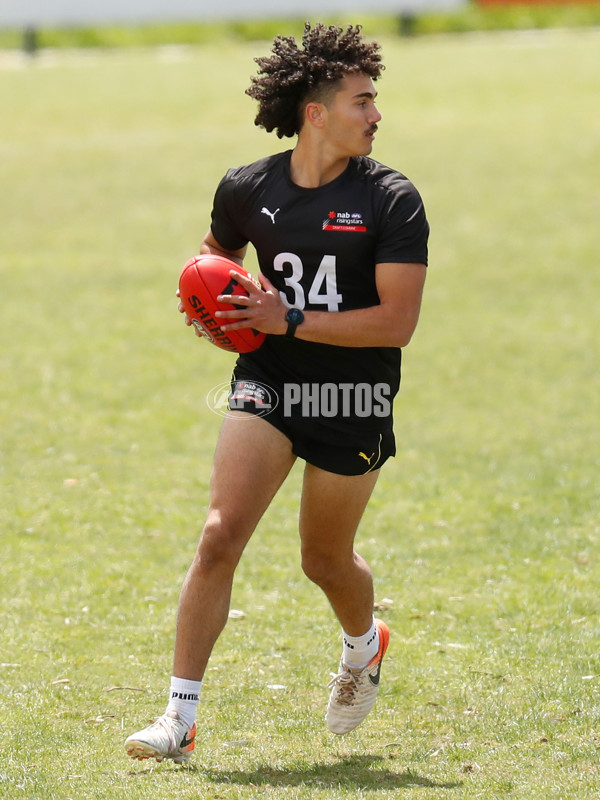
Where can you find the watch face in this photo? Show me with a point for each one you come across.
(294, 315)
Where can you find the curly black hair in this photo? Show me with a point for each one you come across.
(293, 76)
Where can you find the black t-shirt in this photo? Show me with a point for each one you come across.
(319, 247)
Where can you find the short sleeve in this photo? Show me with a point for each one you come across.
(224, 215)
(404, 231)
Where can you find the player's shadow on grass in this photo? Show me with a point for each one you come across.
(352, 772)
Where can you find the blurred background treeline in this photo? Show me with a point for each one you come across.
(470, 17)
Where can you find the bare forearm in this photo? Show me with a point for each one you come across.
(377, 326)
(391, 323)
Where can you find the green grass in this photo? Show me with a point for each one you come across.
(483, 532)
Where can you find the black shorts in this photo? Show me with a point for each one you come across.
(352, 449)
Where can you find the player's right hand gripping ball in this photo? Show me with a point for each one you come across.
(202, 280)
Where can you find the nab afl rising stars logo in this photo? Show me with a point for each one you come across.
(344, 222)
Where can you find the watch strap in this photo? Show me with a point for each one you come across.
(291, 330)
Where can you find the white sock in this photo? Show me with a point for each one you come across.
(359, 650)
(183, 698)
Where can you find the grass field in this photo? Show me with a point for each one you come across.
(483, 532)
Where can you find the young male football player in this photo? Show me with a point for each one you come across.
(342, 246)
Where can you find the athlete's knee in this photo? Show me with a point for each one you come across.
(324, 569)
(221, 544)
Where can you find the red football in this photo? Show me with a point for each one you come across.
(202, 280)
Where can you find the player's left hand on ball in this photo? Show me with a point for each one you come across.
(262, 309)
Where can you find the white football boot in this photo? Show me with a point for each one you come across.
(354, 691)
(168, 737)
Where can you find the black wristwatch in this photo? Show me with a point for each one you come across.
(293, 317)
